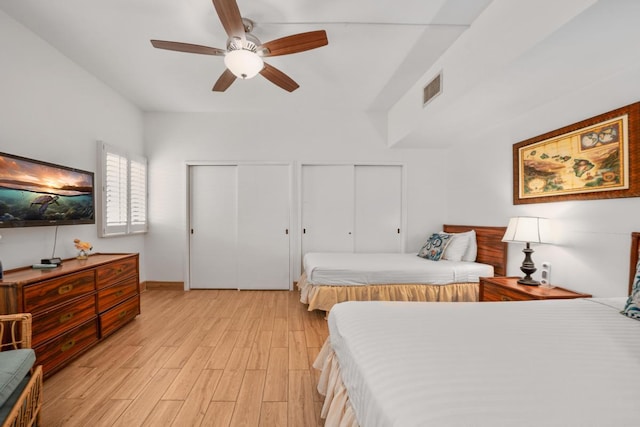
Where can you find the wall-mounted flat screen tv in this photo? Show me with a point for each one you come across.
(36, 193)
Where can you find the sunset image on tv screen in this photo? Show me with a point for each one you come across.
(36, 191)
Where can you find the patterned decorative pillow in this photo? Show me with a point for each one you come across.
(435, 246)
(632, 309)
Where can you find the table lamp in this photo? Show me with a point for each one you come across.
(528, 230)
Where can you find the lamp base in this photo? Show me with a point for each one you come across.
(528, 268)
(528, 281)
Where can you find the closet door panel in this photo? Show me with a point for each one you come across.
(212, 248)
(263, 227)
(327, 208)
(378, 208)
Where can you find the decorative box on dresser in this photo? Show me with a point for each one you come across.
(75, 305)
(508, 289)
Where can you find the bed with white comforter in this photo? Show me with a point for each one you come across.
(473, 252)
(331, 278)
(531, 363)
(356, 269)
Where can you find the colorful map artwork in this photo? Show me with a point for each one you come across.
(587, 160)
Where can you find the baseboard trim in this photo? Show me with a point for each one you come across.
(162, 286)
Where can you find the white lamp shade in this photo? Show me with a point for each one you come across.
(529, 230)
(244, 64)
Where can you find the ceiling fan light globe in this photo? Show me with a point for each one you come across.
(244, 64)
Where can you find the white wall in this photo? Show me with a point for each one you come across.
(592, 254)
(498, 58)
(52, 110)
(174, 139)
(521, 71)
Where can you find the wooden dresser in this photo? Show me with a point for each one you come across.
(75, 305)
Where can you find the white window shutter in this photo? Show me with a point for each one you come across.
(124, 192)
(138, 194)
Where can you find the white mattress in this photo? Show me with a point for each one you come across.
(371, 269)
(540, 363)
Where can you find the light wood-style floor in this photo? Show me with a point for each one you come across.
(198, 358)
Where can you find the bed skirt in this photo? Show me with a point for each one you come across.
(336, 409)
(323, 297)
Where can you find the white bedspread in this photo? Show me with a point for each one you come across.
(376, 269)
(540, 363)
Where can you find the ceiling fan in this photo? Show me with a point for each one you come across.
(244, 53)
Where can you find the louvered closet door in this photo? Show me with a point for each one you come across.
(263, 227)
(327, 208)
(213, 241)
(378, 208)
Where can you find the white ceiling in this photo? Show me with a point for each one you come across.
(377, 49)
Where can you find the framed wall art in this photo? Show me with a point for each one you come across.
(597, 158)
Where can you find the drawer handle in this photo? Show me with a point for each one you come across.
(120, 293)
(120, 270)
(66, 317)
(122, 314)
(66, 346)
(64, 289)
(503, 298)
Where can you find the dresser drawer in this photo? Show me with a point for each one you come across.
(116, 271)
(119, 315)
(64, 318)
(56, 353)
(55, 291)
(114, 295)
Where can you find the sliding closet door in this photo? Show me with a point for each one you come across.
(351, 208)
(327, 208)
(263, 226)
(239, 227)
(378, 208)
(213, 250)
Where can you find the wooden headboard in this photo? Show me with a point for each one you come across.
(491, 249)
(633, 259)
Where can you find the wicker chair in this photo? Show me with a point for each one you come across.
(15, 333)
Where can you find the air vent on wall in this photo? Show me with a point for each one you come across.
(433, 89)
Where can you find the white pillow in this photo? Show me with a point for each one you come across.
(472, 250)
(462, 247)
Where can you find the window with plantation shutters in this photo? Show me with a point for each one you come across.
(124, 192)
(138, 194)
(115, 193)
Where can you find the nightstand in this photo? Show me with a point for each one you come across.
(508, 289)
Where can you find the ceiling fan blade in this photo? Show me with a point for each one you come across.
(230, 17)
(224, 81)
(187, 47)
(296, 43)
(279, 78)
